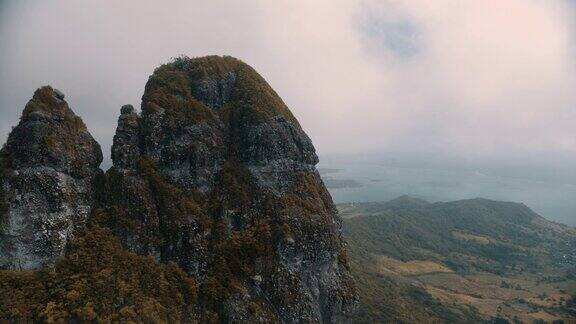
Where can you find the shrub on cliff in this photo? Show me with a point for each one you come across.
(98, 281)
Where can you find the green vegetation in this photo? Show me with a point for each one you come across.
(505, 244)
(64, 140)
(234, 261)
(315, 225)
(232, 243)
(44, 100)
(254, 101)
(383, 300)
(98, 281)
(257, 99)
(169, 89)
(475, 234)
(162, 216)
(386, 300)
(254, 253)
(176, 209)
(253, 98)
(236, 188)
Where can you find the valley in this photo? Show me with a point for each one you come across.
(465, 261)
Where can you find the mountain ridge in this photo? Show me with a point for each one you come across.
(471, 260)
(215, 177)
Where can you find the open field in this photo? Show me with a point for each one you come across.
(522, 298)
(410, 268)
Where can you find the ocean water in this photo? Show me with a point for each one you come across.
(363, 180)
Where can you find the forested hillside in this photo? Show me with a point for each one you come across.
(459, 261)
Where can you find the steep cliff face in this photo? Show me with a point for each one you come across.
(218, 176)
(215, 180)
(47, 169)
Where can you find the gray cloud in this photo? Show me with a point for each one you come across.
(481, 79)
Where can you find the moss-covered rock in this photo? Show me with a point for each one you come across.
(48, 167)
(213, 193)
(227, 183)
(99, 281)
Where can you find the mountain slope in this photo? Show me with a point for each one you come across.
(407, 243)
(499, 234)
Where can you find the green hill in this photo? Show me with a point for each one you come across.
(453, 262)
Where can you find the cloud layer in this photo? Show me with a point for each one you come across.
(481, 79)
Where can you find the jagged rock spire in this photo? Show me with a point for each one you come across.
(125, 150)
(215, 158)
(215, 175)
(48, 165)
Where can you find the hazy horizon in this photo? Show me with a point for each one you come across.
(374, 178)
(464, 85)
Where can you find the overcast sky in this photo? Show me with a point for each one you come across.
(491, 80)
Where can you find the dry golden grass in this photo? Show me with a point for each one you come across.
(483, 292)
(473, 238)
(490, 307)
(410, 268)
(547, 317)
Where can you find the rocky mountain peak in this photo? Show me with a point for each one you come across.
(125, 151)
(203, 111)
(51, 135)
(216, 156)
(215, 175)
(46, 100)
(48, 164)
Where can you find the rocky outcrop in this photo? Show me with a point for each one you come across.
(125, 151)
(215, 175)
(218, 176)
(47, 169)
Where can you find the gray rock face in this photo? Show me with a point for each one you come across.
(48, 165)
(125, 151)
(215, 175)
(275, 152)
(213, 133)
(215, 92)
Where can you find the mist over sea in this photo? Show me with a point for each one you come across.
(549, 192)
